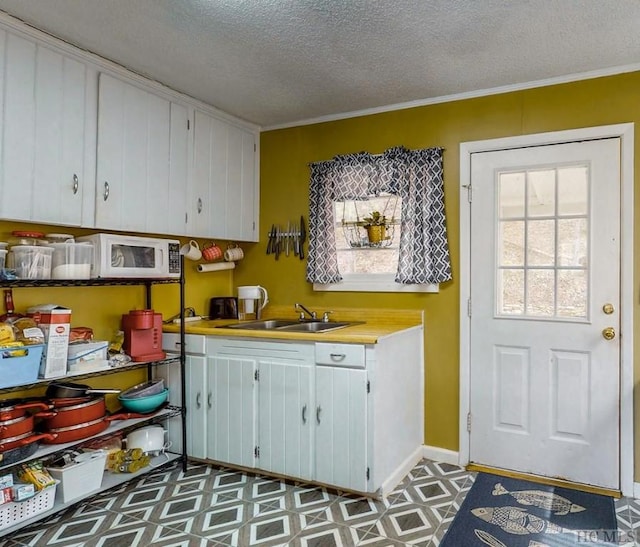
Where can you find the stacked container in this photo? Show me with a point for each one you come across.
(31, 261)
(71, 260)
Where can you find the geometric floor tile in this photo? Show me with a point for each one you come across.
(212, 506)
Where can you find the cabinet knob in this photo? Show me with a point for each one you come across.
(304, 414)
(105, 195)
(318, 411)
(209, 400)
(199, 205)
(337, 356)
(198, 400)
(76, 184)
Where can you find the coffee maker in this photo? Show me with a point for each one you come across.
(143, 335)
(251, 301)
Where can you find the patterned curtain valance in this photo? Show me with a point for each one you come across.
(415, 176)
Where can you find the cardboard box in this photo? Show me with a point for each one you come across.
(55, 322)
(5, 495)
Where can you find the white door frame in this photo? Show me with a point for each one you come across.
(626, 134)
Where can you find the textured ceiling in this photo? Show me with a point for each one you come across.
(277, 62)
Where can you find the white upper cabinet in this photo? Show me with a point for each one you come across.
(132, 187)
(43, 98)
(84, 142)
(224, 191)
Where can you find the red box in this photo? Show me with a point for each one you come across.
(6, 495)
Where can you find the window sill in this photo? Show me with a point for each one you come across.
(374, 283)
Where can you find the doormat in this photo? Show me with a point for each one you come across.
(505, 512)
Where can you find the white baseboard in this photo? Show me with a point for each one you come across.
(440, 455)
(400, 473)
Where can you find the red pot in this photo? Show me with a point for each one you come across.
(88, 429)
(20, 426)
(83, 412)
(10, 409)
(27, 438)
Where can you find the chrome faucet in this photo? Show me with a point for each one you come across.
(302, 309)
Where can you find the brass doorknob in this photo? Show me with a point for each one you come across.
(609, 333)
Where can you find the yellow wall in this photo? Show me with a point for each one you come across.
(285, 155)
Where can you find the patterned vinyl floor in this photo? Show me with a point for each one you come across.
(213, 506)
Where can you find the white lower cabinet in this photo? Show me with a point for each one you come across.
(285, 413)
(341, 455)
(345, 415)
(230, 409)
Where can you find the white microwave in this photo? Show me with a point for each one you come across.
(116, 256)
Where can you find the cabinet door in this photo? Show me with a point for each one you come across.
(285, 411)
(196, 392)
(231, 410)
(176, 204)
(133, 158)
(224, 185)
(341, 427)
(43, 133)
(241, 185)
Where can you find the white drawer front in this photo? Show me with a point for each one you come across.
(340, 355)
(195, 343)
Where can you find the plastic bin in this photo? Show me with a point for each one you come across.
(71, 260)
(16, 511)
(19, 365)
(32, 261)
(79, 479)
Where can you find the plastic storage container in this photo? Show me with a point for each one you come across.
(19, 365)
(31, 261)
(79, 479)
(71, 260)
(15, 512)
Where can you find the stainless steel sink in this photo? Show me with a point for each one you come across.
(316, 326)
(291, 325)
(266, 324)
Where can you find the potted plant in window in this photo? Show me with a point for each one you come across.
(376, 226)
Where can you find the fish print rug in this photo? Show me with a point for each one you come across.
(505, 512)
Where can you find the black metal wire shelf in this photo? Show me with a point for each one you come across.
(8, 283)
(43, 382)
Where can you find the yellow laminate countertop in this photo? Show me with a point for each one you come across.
(377, 324)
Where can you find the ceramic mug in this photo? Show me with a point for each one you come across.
(211, 252)
(191, 250)
(233, 253)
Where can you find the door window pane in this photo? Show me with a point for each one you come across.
(511, 243)
(572, 293)
(572, 242)
(541, 242)
(511, 195)
(540, 293)
(542, 248)
(541, 193)
(573, 197)
(512, 293)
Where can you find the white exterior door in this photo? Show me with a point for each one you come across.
(545, 301)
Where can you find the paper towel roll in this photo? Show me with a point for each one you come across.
(216, 267)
